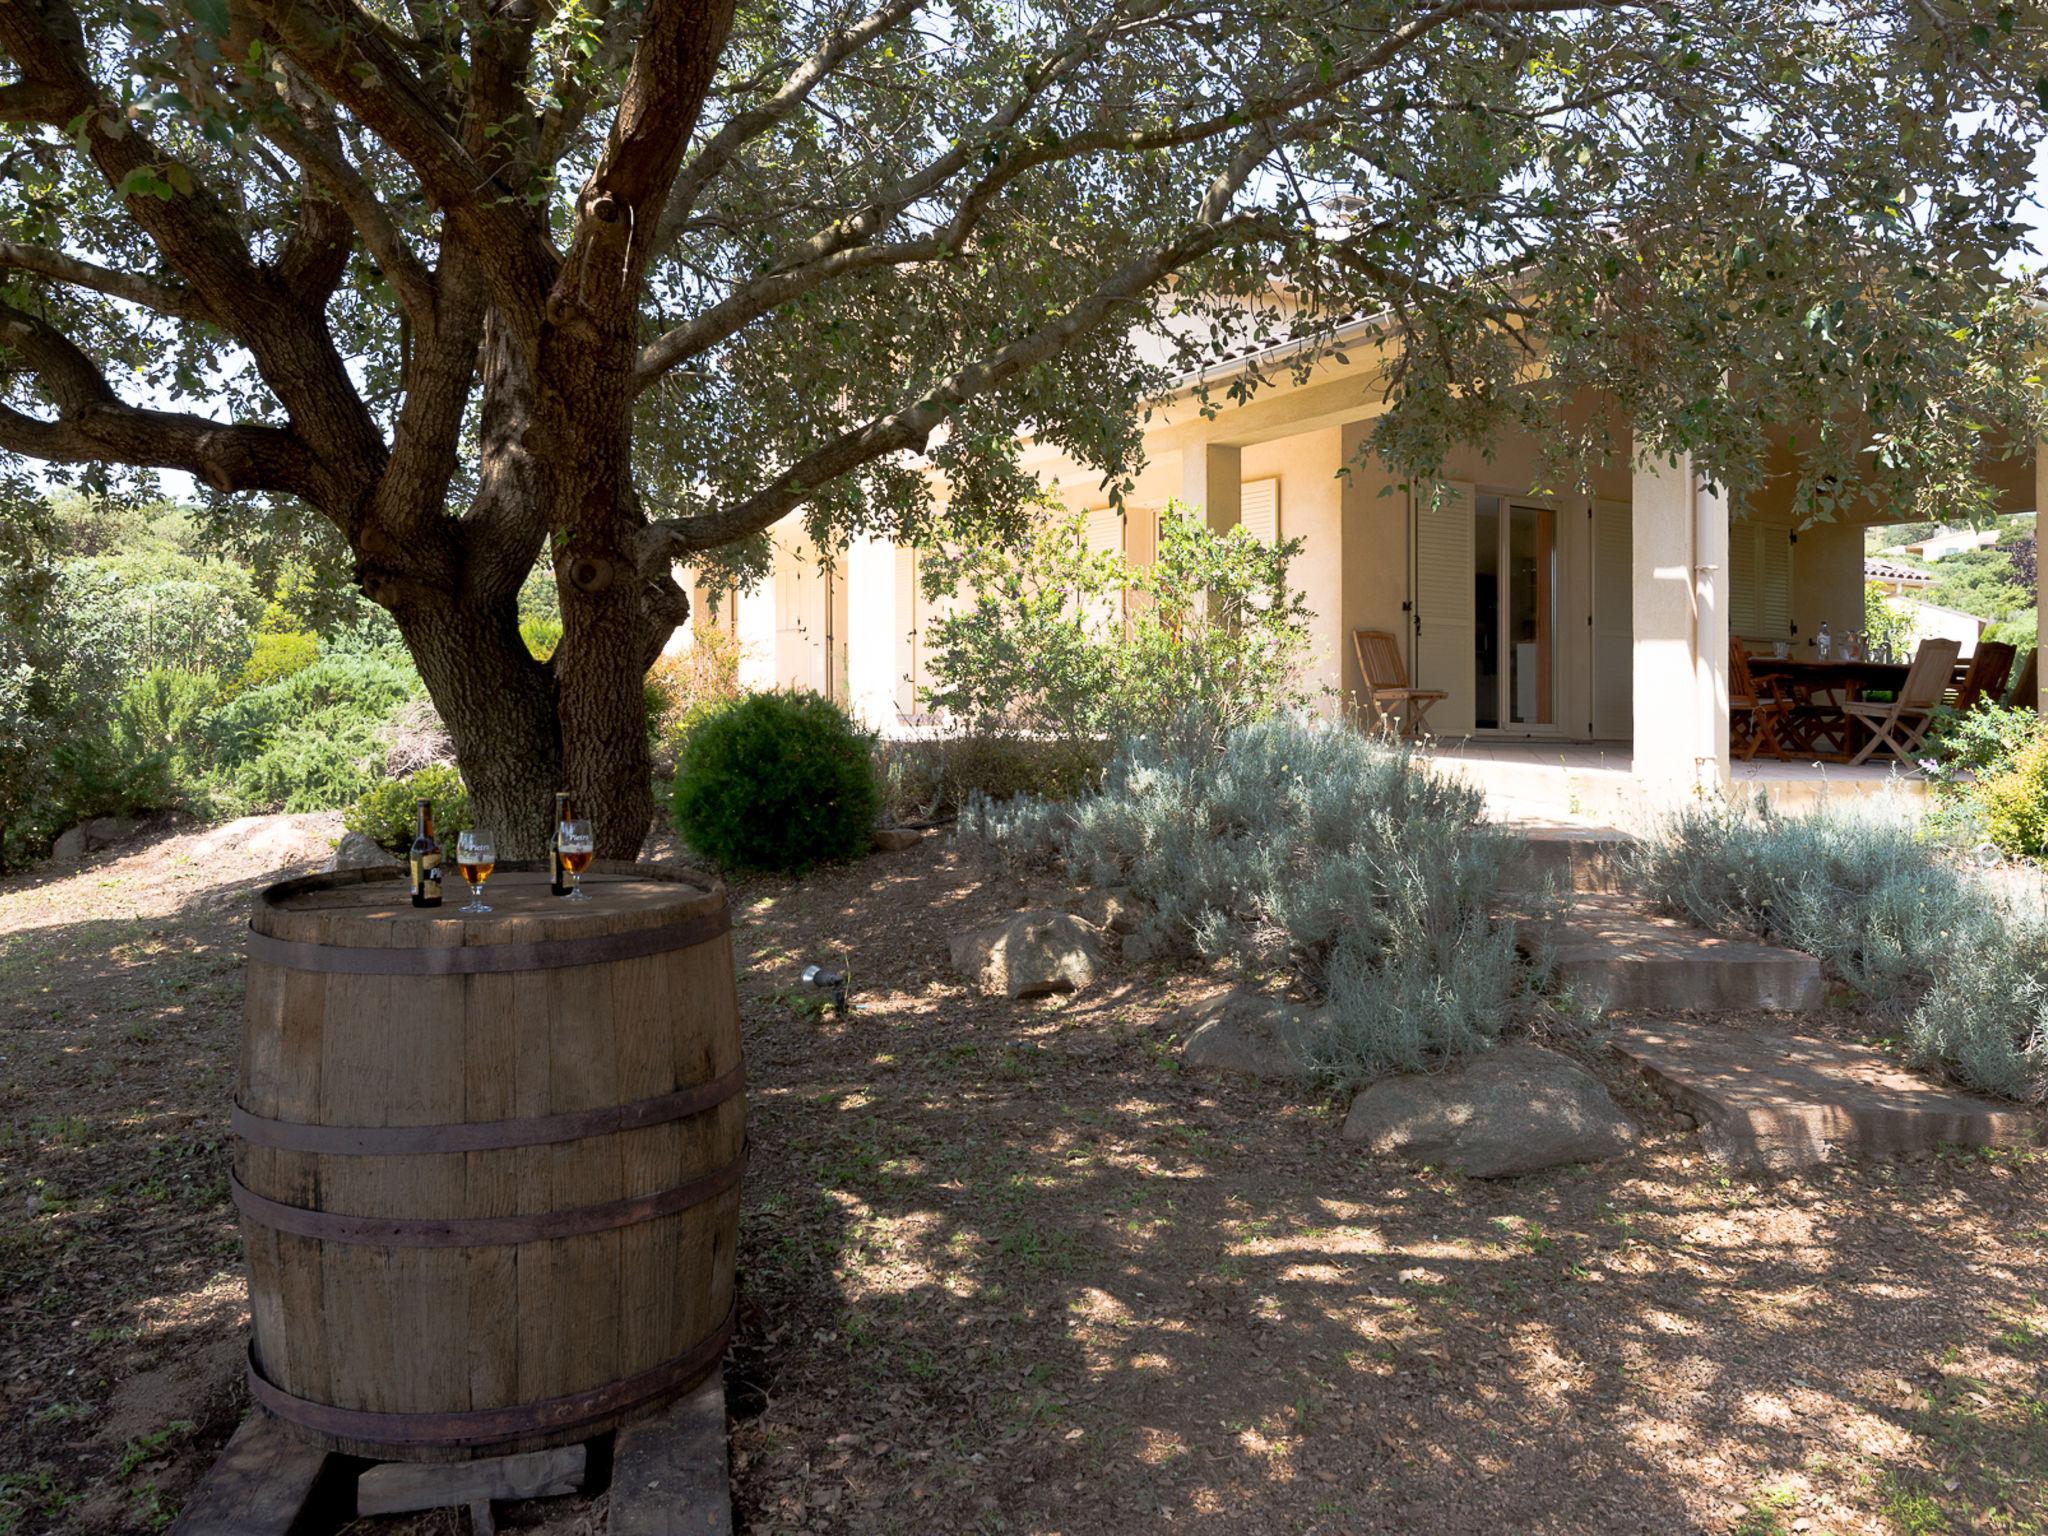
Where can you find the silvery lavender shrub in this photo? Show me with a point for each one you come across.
(1302, 846)
(1856, 887)
(1927, 941)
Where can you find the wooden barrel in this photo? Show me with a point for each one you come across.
(488, 1167)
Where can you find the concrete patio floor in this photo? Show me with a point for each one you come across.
(1592, 780)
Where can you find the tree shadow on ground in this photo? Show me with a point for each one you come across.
(120, 1270)
(1010, 1269)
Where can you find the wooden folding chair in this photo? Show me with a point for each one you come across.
(1386, 682)
(1989, 669)
(1754, 714)
(1900, 724)
(2025, 692)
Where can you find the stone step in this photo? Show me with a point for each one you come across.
(1562, 857)
(1619, 952)
(1776, 1099)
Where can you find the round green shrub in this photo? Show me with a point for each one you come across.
(2015, 802)
(385, 811)
(776, 781)
(274, 657)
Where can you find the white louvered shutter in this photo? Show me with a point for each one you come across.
(1774, 584)
(1742, 580)
(1614, 640)
(1445, 655)
(1104, 530)
(1259, 509)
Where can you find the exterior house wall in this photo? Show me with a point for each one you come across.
(1373, 585)
(1312, 510)
(1827, 581)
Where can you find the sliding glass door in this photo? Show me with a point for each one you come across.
(1515, 605)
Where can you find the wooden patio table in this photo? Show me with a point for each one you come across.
(1810, 678)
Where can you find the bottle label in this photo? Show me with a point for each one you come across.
(426, 874)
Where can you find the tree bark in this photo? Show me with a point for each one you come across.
(498, 703)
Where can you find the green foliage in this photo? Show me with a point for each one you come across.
(541, 635)
(930, 778)
(125, 614)
(686, 689)
(776, 781)
(158, 720)
(311, 741)
(1983, 582)
(316, 765)
(1924, 939)
(334, 691)
(2015, 800)
(109, 664)
(278, 655)
(1985, 772)
(1058, 640)
(1309, 849)
(385, 811)
(1888, 623)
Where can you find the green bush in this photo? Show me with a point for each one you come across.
(2015, 801)
(1986, 771)
(1925, 939)
(385, 811)
(273, 657)
(1044, 644)
(319, 764)
(928, 779)
(776, 781)
(541, 635)
(1306, 849)
(351, 693)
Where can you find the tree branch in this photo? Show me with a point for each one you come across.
(94, 426)
(912, 426)
(173, 299)
(616, 224)
(321, 156)
(718, 151)
(349, 55)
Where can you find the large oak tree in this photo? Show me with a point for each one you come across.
(616, 284)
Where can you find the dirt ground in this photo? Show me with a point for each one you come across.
(1006, 1268)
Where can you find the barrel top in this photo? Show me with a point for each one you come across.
(374, 906)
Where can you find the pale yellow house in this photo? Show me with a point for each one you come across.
(1563, 628)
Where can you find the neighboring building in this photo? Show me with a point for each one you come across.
(1951, 541)
(1545, 618)
(1896, 579)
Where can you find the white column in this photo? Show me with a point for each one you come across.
(1710, 603)
(870, 575)
(1680, 553)
(1212, 478)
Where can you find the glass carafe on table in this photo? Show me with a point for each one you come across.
(1823, 642)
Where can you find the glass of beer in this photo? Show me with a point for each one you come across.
(476, 858)
(578, 843)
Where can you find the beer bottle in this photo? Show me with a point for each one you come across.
(426, 859)
(558, 877)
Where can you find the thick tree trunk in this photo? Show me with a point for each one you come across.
(499, 706)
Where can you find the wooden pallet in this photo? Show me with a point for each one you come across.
(668, 1479)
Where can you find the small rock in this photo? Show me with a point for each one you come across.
(896, 839)
(1107, 906)
(1030, 954)
(1248, 1032)
(105, 831)
(70, 846)
(1142, 948)
(1514, 1110)
(358, 851)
